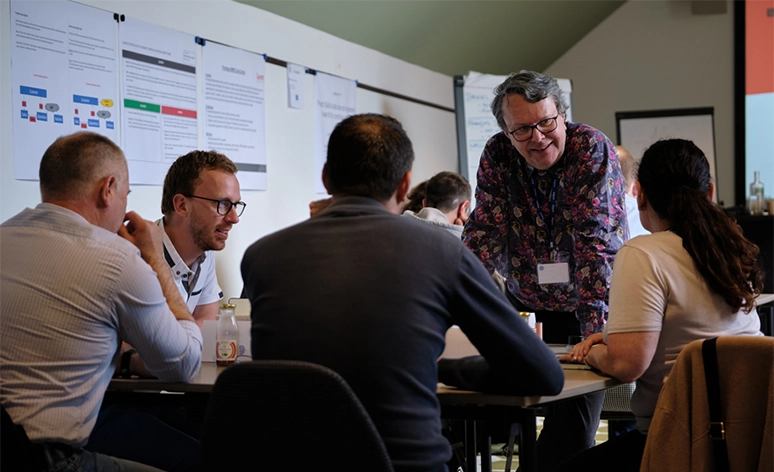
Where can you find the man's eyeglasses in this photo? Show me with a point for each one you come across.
(225, 206)
(524, 133)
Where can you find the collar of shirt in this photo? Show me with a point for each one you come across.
(176, 264)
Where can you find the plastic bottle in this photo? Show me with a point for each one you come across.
(227, 338)
(757, 199)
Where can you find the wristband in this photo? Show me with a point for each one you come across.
(126, 359)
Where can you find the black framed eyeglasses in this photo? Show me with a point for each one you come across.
(524, 133)
(225, 206)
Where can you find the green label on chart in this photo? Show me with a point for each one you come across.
(142, 105)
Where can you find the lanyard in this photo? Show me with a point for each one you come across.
(552, 210)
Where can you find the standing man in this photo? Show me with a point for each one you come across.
(201, 202)
(71, 291)
(377, 293)
(550, 218)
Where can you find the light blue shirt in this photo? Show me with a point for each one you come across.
(633, 215)
(70, 293)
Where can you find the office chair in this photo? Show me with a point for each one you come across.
(288, 415)
(679, 437)
(617, 409)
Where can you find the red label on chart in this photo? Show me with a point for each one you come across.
(178, 112)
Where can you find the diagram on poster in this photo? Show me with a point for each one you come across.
(335, 99)
(234, 114)
(63, 68)
(159, 100)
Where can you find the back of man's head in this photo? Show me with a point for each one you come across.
(73, 164)
(446, 191)
(628, 165)
(368, 155)
(184, 174)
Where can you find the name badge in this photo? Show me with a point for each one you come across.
(554, 273)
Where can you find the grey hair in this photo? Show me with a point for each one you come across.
(533, 86)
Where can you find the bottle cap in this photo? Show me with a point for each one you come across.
(227, 305)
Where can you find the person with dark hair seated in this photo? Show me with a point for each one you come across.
(446, 203)
(370, 295)
(695, 277)
(414, 198)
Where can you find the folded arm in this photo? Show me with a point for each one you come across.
(513, 359)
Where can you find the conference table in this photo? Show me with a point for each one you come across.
(477, 409)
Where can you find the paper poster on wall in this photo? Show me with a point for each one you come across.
(335, 99)
(637, 130)
(63, 68)
(234, 111)
(158, 98)
(480, 123)
(296, 75)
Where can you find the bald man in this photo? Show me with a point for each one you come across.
(629, 170)
(79, 275)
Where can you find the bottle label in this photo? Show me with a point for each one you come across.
(226, 350)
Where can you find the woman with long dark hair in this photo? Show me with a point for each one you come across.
(695, 277)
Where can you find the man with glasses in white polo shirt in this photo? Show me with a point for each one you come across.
(201, 202)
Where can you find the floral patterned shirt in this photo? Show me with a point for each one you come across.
(588, 226)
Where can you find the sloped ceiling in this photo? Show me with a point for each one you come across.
(454, 37)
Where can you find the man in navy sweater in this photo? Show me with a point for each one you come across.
(370, 295)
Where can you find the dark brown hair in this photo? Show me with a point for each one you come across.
(446, 190)
(185, 172)
(368, 155)
(414, 198)
(675, 177)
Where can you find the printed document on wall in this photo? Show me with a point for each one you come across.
(480, 123)
(63, 69)
(296, 86)
(335, 99)
(234, 110)
(158, 98)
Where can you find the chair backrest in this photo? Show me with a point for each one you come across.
(288, 415)
(15, 447)
(678, 437)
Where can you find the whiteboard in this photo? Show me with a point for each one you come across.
(637, 130)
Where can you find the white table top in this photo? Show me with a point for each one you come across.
(577, 382)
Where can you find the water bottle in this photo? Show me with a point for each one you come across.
(227, 338)
(757, 199)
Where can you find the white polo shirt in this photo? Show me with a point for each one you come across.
(198, 284)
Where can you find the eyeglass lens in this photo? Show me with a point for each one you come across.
(224, 207)
(544, 126)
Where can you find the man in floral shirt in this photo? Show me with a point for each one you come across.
(550, 217)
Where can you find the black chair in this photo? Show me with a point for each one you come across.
(288, 415)
(15, 447)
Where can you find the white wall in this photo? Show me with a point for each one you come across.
(651, 55)
(290, 155)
